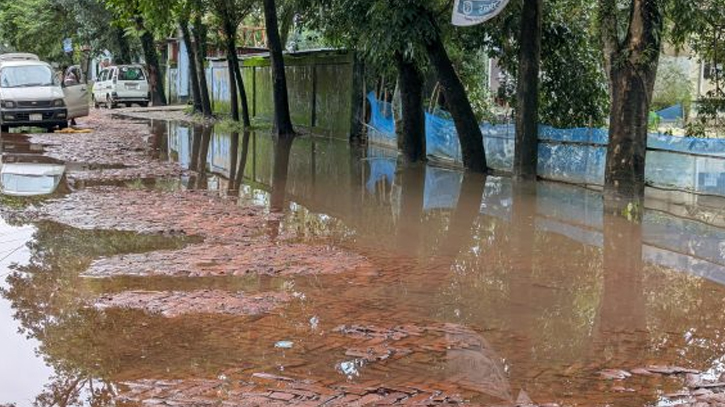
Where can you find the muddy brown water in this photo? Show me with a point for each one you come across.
(544, 288)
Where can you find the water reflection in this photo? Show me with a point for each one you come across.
(50, 302)
(239, 176)
(620, 328)
(510, 287)
(24, 172)
(282, 150)
(30, 179)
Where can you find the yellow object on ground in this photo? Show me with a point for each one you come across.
(70, 130)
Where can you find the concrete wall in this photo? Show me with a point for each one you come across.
(325, 90)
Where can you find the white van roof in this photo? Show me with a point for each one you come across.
(19, 56)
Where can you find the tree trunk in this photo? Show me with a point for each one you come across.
(231, 53)
(412, 135)
(195, 92)
(242, 92)
(124, 50)
(199, 32)
(282, 121)
(527, 126)
(156, 79)
(632, 66)
(628, 129)
(359, 101)
(240, 85)
(469, 133)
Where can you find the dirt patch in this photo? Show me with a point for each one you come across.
(173, 304)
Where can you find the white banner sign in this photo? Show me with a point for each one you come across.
(472, 12)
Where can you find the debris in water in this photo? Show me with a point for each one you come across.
(284, 344)
(614, 374)
(314, 322)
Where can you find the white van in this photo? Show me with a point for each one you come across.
(122, 84)
(32, 95)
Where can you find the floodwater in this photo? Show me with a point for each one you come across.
(544, 287)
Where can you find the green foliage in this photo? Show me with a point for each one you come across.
(377, 28)
(473, 71)
(653, 121)
(36, 26)
(573, 89)
(696, 129)
(672, 86)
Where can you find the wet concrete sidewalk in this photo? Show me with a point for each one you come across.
(168, 270)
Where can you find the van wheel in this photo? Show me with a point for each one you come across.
(95, 103)
(5, 129)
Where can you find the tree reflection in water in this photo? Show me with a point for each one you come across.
(49, 300)
(620, 328)
(535, 304)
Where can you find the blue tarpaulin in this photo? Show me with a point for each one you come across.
(575, 155)
(672, 113)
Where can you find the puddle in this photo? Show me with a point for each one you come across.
(482, 289)
(22, 372)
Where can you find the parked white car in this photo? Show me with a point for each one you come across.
(122, 84)
(32, 95)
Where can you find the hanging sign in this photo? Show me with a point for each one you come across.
(68, 45)
(472, 12)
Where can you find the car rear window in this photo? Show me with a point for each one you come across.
(129, 73)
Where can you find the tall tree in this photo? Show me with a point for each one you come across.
(469, 132)
(386, 45)
(146, 17)
(156, 77)
(193, 73)
(230, 14)
(381, 29)
(124, 50)
(527, 107)
(573, 85)
(412, 135)
(199, 32)
(282, 121)
(183, 15)
(631, 49)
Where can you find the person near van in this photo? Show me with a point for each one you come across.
(31, 94)
(71, 77)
